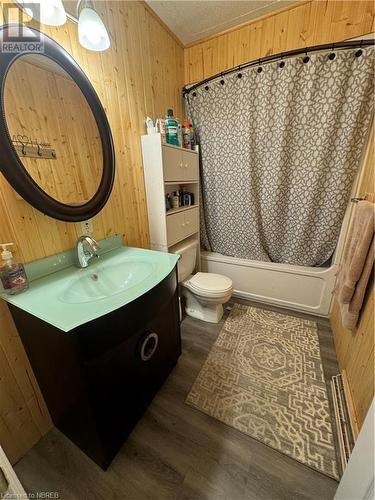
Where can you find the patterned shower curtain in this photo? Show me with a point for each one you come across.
(280, 150)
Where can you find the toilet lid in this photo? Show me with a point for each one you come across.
(210, 283)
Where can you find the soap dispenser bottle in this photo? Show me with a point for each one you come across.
(13, 275)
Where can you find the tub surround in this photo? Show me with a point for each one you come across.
(67, 297)
(298, 288)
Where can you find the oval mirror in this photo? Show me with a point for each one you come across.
(57, 149)
(53, 129)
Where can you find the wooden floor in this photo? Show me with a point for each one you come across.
(177, 452)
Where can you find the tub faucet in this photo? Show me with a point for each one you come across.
(84, 255)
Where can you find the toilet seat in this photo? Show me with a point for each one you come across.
(209, 284)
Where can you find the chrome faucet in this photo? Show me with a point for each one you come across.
(84, 255)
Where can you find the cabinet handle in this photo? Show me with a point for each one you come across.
(188, 222)
(186, 165)
(181, 165)
(149, 345)
(4, 483)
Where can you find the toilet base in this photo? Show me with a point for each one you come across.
(205, 311)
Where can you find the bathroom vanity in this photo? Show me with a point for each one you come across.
(101, 342)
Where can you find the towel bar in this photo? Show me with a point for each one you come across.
(356, 200)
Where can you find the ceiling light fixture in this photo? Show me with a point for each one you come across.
(50, 12)
(91, 30)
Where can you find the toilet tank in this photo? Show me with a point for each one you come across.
(188, 251)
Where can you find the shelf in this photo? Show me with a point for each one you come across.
(173, 183)
(180, 148)
(187, 237)
(180, 209)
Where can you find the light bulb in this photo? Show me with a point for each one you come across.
(91, 30)
(49, 12)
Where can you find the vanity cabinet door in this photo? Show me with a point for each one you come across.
(190, 166)
(176, 228)
(191, 221)
(172, 164)
(144, 348)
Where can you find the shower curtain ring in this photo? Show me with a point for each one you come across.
(260, 69)
(239, 74)
(306, 59)
(222, 79)
(359, 52)
(332, 55)
(281, 63)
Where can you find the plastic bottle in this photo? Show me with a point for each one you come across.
(186, 134)
(192, 137)
(176, 199)
(13, 275)
(160, 127)
(180, 138)
(171, 128)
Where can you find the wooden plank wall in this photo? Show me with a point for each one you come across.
(42, 104)
(141, 74)
(355, 350)
(312, 23)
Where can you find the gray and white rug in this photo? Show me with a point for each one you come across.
(264, 377)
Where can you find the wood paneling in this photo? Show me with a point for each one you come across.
(141, 74)
(24, 417)
(312, 23)
(50, 108)
(355, 350)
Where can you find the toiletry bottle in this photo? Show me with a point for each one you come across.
(186, 134)
(151, 129)
(176, 199)
(13, 275)
(160, 127)
(192, 137)
(171, 129)
(179, 134)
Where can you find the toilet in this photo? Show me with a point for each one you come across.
(204, 293)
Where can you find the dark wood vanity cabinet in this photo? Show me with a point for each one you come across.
(99, 378)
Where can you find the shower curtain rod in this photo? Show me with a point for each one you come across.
(281, 55)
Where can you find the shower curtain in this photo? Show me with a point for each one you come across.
(280, 148)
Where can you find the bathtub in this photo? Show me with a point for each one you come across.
(307, 289)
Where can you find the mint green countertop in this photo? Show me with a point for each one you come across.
(66, 297)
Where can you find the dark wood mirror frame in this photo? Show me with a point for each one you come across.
(11, 165)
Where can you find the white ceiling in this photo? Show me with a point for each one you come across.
(192, 20)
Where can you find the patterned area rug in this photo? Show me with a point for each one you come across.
(264, 377)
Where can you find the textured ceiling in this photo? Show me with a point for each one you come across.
(191, 20)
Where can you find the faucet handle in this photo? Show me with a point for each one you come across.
(93, 243)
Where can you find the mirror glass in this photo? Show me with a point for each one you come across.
(53, 129)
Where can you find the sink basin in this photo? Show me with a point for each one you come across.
(69, 297)
(100, 281)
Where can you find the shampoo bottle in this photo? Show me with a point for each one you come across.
(13, 275)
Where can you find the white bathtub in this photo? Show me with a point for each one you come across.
(307, 289)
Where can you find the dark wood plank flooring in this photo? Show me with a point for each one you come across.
(177, 452)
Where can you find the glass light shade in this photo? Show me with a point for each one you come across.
(91, 31)
(49, 12)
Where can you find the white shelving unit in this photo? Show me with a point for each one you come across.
(166, 168)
